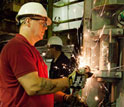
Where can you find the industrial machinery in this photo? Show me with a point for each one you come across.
(103, 48)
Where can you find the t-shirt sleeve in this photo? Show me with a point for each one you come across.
(22, 60)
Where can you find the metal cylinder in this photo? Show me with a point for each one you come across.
(104, 50)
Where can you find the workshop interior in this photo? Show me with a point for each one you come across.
(92, 32)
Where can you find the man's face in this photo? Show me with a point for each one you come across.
(38, 27)
(50, 53)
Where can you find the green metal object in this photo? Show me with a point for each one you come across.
(66, 4)
(122, 15)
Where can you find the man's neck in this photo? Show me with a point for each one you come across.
(28, 36)
(57, 54)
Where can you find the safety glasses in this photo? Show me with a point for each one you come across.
(43, 19)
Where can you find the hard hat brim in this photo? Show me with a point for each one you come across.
(49, 21)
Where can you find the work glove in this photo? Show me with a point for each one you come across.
(74, 101)
(77, 78)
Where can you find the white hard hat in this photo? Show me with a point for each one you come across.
(55, 40)
(33, 8)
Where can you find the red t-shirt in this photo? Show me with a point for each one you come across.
(18, 58)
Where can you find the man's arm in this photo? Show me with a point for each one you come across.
(35, 85)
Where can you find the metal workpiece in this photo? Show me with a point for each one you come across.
(111, 74)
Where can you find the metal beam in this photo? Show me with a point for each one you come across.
(66, 4)
(66, 21)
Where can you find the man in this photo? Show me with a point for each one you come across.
(61, 64)
(2, 44)
(24, 78)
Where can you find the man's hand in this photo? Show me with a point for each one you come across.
(74, 101)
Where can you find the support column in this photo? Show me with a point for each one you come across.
(50, 14)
